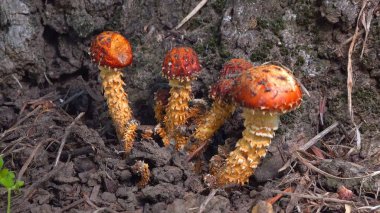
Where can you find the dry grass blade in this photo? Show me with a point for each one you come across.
(349, 63)
(366, 22)
(191, 14)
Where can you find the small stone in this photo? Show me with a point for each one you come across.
(83, 164)
(168, 174)
(108, 197)
(162, 192)
(125, 175)
(126, 205)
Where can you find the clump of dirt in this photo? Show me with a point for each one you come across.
(47, 79)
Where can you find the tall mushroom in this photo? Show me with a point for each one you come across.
(223, 105)
(264, 92)
(112, 52)
(180, 67)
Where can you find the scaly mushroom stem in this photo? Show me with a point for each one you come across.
(208, 124)
(214, 119)
(162, 133)
(180, 140)
(159, 111)
(118, 106)
(177, 110)
(142, 168)
(240, 164)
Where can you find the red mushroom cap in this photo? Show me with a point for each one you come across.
(227, 80)
(111, 49)
(269, 88)
(234, 67)
(181, 63)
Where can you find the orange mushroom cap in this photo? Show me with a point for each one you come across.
(227, 80)
(111, 49)
(181, 63)
(269, 88)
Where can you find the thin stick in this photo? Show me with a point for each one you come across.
(65, 136)
(191, 14)
(28, 161)
(72, 205)
(312, 167)
(327, 199)
(16, 79)
(318, 137)
(209, 197)
(195, 152)
(274, 199)
(310, 143)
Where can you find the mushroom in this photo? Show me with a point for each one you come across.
(161, 98)
(180, 67)
(223, 106)
(161, 101)
(265, 92)
(142, 169)
(112, 52)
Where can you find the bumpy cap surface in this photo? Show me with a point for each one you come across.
(227, 80)
(111, 49)
(181, 63)
(268, 87)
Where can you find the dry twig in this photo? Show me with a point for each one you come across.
(191, 14)
(28, 161)
(209, 197)
(314, 168)
(65, 136)
(316, 197)
(310, 143)
(349, 63)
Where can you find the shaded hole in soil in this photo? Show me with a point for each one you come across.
(144, 113)
(83, 72)
(50, 35)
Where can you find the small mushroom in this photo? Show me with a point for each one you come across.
(112, 52)
(161, 98)
(265, 92)
(142, 169)
(180, 67)
(223, 106)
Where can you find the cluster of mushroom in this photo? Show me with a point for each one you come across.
(264, 92)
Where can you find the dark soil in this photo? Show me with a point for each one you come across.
(47, 79)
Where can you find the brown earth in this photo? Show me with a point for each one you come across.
(47, 79)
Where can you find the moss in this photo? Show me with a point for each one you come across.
(306, 13)
(274, 25)
(224, 53)
(194, 24)
(300, 61)
(213, 44)
(284, 50)
(367, 100)
(365, 105)
(262, 51)
(219, 5)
